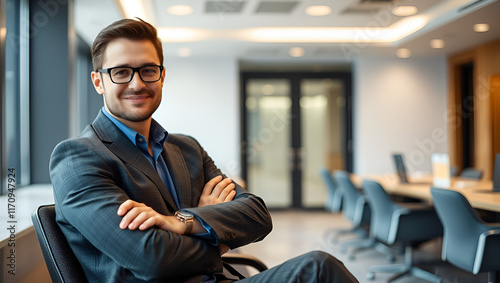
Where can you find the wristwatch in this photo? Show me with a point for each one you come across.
(187, 218)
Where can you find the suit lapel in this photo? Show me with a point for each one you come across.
(122, 147)
(179, 172)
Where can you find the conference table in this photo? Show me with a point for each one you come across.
(480, 194)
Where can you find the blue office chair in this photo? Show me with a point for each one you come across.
(355, 208)
(401, 223)
(469, 243)
(334, 199)
(471, 173)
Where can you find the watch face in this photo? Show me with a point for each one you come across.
(184, 214)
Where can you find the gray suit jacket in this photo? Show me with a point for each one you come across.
(95, 172)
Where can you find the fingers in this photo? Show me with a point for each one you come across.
(134, 214)
(218, 191)
(126, 206)
(230, 196)
(227, 192)
(207, 190)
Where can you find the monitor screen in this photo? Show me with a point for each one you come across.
(400, 168)
(496, 174)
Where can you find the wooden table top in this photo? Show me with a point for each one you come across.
(480, 194)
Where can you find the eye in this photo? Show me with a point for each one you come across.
(121, 72)
(150, 70)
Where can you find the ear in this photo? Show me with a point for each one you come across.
(97, 82)
(163, 74)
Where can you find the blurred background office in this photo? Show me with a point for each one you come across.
(274, 90)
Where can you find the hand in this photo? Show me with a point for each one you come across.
(217, 191)
(223, 248)
(138, 215)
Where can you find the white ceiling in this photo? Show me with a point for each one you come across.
(449, 20)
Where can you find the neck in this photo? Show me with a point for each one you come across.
(142, 127)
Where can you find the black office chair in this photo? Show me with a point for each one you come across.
(469, 243)
(401, 223)
(60, 259)
(62, 263)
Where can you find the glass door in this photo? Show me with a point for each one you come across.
(322, 106)
(268, 108)
(294, 124)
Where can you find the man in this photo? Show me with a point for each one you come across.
(140, 205)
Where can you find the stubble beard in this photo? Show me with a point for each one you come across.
(119, 111)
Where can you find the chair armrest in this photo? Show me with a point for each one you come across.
(243, 259)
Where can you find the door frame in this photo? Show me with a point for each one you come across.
(295, 80)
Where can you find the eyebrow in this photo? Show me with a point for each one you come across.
(130, 66)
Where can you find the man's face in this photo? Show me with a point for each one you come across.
(135, 101)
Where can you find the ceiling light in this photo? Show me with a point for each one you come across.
(182, 34)
(133, 8)
(403, 53)
(393, 33)
(180, 10)
(481, 27)
(437, 43)
(318, 10)
(296, 52)
(404, 11)
(184, 52)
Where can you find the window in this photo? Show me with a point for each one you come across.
(14, 91)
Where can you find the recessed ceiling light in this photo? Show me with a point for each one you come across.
(437, 43)
(180, 10)
(184, 52)
(318, 10)
(404, 11)
(403, 53)
(481, 27)
(296, 51)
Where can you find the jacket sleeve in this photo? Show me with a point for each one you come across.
(87, 197)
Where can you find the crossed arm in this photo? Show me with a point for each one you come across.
(140, 216)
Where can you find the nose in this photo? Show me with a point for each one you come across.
(136, 83)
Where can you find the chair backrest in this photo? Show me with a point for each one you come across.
(382, 209)
(334, 200)
(462, 227)
(61, 262)
(353, 206)
(471, 173)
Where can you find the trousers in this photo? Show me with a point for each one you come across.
(312, 267)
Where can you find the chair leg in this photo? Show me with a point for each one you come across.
(365, 244)
(493, 276)
(406, 268)
(360, 232)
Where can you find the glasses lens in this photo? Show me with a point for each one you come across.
(150, 73)
(121, 75)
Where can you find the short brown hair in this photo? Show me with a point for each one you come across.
(126, 28)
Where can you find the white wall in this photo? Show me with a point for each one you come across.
(201, 99)
(399, 106)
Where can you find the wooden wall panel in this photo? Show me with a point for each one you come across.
(486, 60)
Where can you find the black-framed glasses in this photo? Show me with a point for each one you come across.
(123, 75)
